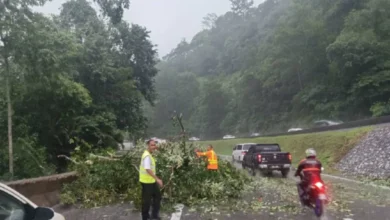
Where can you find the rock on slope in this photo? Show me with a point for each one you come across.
(371, 157)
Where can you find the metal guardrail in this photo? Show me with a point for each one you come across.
(347, 125)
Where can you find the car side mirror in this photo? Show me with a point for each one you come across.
(43, 213)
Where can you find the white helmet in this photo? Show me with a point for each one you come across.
(310, 152)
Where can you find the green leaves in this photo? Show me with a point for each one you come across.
(106, 181)
(113, 9)
(380, 108)
(360, 58)
(241, 7)
(29, 159)
(75, 76)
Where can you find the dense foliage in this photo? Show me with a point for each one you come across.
(69, 80)
(105, 180)
(80, 79)
(281, 64)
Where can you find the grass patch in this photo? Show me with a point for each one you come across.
(331, 146)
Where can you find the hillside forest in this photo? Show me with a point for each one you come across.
(73, 80)
(281, 64)
(86, 79)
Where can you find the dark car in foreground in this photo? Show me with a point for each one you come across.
(267, 158)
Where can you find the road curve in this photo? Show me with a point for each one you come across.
(351, 200)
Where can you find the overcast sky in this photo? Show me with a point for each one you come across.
(168, 20)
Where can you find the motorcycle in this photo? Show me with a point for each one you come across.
(315, 196)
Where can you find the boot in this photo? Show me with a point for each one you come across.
(301, 195)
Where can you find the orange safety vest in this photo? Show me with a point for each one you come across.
(211, 159)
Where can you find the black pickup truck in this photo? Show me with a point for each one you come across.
(267, 158)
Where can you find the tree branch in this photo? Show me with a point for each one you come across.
(68, 158)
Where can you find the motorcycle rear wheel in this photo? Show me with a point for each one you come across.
(319, 208)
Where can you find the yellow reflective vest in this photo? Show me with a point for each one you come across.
(144, 176)
(211, 158)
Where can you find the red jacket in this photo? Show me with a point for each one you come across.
(309, 167)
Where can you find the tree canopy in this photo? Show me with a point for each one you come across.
(75, 80)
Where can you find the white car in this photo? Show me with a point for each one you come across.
(14, 206)
(294, 129)
(228, 136)
(194, 139)
(323, 123)
(240, 150)
(255, 134)
(161, 141)
(158, 140)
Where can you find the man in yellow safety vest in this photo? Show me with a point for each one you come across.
(151, 194)
(212, 159)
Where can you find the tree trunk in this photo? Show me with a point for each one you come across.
(9, 105)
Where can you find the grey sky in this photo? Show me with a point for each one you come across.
(168, 20)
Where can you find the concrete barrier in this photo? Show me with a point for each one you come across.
(43, 191)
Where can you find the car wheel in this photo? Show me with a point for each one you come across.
(243, 165)
(233, 159)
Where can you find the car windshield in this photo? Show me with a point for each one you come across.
(247, 146)
(10, 208)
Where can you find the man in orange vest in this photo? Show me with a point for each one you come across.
(212, 159)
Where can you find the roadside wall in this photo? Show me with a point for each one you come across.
(43, 191)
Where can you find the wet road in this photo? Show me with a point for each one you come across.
(273, 198)
(349, 200)
(123, 211)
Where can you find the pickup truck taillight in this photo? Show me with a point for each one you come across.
(290, 157)
(243, 153)
(259, 158)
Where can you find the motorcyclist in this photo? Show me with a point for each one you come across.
(308, 169)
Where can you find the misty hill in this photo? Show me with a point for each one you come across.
(280, 64)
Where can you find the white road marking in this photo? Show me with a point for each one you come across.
(177, 214)
(355, 181)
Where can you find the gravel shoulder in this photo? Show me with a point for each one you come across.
(369, 157)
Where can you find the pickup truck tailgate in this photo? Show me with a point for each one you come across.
(275, 158)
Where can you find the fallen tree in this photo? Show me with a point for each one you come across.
(105, 178)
